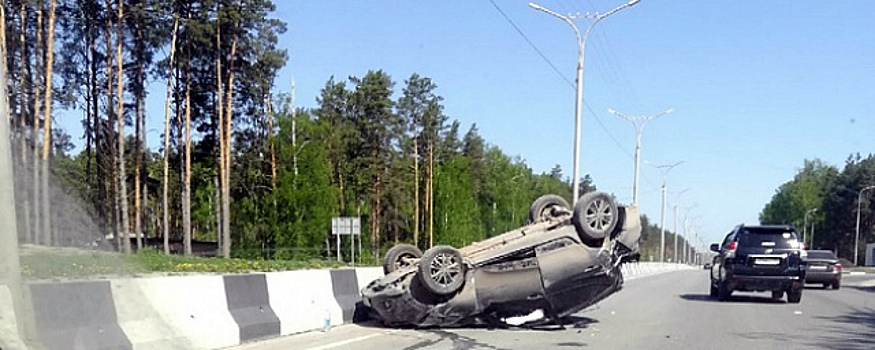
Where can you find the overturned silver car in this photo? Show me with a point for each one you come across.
(563, 261)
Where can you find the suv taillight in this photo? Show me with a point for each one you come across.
(733, 245)
(838, 267)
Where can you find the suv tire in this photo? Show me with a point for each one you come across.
(777, 294)
(713, 291)
(794, 297)
(723, 291)
(836, 285)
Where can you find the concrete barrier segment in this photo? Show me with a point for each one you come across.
(77, 315)
(344, 284)
(303, 300)
(9, 336)
(142, 323)
(195, 306)
(249, 304)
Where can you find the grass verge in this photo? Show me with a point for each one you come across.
(40, 263)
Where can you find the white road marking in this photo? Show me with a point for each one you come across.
(353, 340)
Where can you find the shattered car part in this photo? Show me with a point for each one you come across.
(563, 261)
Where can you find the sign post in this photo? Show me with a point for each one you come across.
(347, 226)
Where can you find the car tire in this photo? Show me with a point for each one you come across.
(794, 297)
(542, 208)
(595, 216)
(837, 284)
(397, 256)
(777, 294)
(713, 291)
(441, 270)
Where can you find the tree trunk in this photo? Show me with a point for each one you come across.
(226, 186)
(165, 211)
(139, 157)
(431, 194)
(38, 234)
(47, 127)
(186, 191)
(22, 105)
(415, 191)
(123, 192)
(272, 147)
(220, 137)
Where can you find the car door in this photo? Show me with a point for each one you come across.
(566, 270)
(720, 258)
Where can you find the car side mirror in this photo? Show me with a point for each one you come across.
(715, 247)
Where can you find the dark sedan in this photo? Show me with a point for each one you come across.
(824, 268)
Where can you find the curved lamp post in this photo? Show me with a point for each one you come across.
(581, 44)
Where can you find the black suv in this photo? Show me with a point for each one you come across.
(759, 258)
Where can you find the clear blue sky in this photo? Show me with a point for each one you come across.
(757, 86)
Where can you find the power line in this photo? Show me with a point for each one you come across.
(518, 30)
(562, 76)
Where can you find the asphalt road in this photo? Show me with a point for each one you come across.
(666, 311)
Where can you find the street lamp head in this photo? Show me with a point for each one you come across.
(633, 2)
(536, 6)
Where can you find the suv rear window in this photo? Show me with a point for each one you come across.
(771, 238)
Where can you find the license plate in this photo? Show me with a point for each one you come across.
(767, 261)
(818, 268)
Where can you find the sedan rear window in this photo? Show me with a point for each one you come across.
(821, 254)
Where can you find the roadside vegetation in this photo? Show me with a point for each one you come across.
(40, 263)
(831, 196)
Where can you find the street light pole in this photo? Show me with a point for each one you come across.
(676, 233)
(857, 240)
(638, 123)
(578, 102)
(664, 169)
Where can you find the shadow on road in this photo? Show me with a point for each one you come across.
(862, 288)
(743, 298)
(852, 331)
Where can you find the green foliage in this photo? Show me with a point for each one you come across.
(458, 222)
(834, 194)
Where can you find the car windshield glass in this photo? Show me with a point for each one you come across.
(767, 238)
(824, 254)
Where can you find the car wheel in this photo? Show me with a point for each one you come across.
(794, 297)
(441, 270)
(542, 208)
(713, 291)
(595, 216)
(777, 294)
(826, 285)
(836, 285)
(400, 256)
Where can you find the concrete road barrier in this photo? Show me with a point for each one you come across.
(249, 305)
(9, 338)
(303, 300)
(196, 306)
(144, 326)
(77, 315)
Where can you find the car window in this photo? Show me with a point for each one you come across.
(768, 238)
